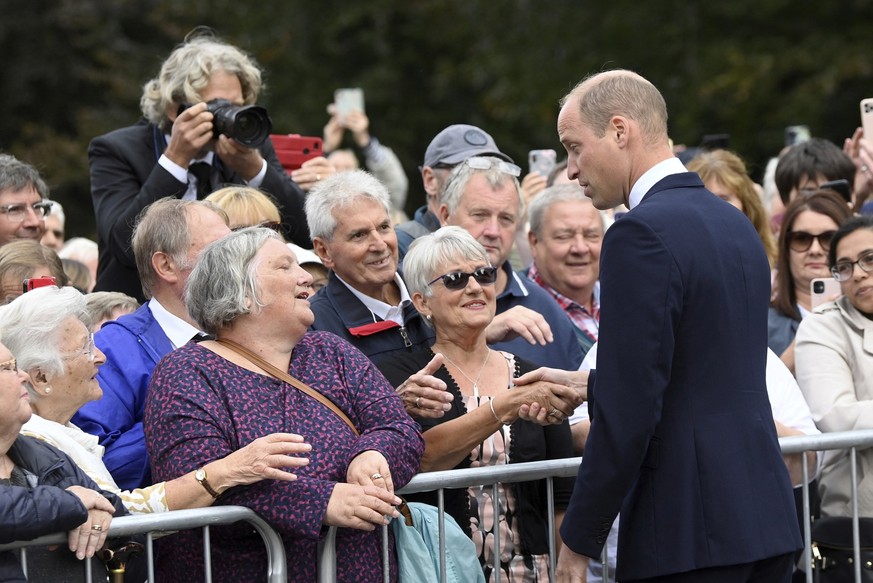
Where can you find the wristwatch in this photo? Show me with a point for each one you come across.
(200, 476)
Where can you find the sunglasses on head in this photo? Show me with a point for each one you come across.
(456, 280)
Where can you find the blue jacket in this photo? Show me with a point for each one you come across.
(45, 507)
(564, 352)
(337, 310)
(133, 345)
(682, 438)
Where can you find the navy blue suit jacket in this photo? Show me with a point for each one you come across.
(682, 438)
(126, 178)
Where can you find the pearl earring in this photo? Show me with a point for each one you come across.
(48, 390)
(428, 317)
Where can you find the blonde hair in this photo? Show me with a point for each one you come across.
(245, 206)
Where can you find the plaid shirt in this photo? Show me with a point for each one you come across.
(587, 322)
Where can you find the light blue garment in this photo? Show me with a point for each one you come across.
(418, 549)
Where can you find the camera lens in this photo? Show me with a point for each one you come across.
(250, 125)
(818, 287)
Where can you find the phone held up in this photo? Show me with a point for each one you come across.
(347, 99)
(797, 134)
(822, 290)
(867, 117)
(293, 149)
(35, 282)
(542, 161)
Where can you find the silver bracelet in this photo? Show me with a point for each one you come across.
(493, 412)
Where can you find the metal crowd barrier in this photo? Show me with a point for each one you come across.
(165, 522)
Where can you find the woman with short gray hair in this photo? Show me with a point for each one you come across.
(265, 372)
(451, 282)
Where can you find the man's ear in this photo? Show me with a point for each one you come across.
(323, 251)
(531, 239)
(164, 266)
(618, 130)
(444, 215)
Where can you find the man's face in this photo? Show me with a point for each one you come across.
(363, 249)
(567, 253)
(489, 214)
(591, 160)
(30, 224)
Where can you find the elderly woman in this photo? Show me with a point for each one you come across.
(452, 285)
(835, 365)
(47, 330)
(207, 399)
(43, 492)
(807, 227)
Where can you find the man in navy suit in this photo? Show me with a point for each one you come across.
(682, 438)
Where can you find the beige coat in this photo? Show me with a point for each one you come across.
(834, 363)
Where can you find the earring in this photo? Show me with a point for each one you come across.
(48, 390)
(428, 317)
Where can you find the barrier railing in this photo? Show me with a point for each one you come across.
(439, 481)
(151, 524)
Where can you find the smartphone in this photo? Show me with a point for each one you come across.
(35, 282)
(348, 99)
(824, 289)
(542, 161)
(867, 117)
(840, 186)
(797, 134)
(293, 149)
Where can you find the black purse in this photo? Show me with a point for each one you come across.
(833, 557)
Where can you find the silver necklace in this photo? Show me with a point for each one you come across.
(478, 376)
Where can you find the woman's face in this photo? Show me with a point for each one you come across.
(14, 400)
(284, 288)
(469, 309)
(715, 186)
(813, 262)
(859, 287)
(77, 384)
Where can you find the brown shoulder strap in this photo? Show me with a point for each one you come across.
(284, 376)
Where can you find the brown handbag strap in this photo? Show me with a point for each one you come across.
(284, 376)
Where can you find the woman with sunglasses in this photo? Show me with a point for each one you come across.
(835, 365)
(451, 282)
(808, 225)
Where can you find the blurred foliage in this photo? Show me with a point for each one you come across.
(74, 69)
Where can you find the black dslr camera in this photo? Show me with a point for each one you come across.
(250, 125)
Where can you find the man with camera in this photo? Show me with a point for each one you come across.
(186, 151)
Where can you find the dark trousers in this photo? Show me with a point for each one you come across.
(773, 570)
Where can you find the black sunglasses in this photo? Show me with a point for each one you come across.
(801, 241)
(456, 280)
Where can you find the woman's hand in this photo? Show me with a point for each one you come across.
(551, 395)
(91, 534)
(360, 507)
(312, 172)
(266, 458)
(370, 468)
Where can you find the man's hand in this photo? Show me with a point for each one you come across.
(190, 136)
(423, 394)
(571, 387)
(572, 567)
(245, 161)
(519, 321)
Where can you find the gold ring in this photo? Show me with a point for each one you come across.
(97, 527)
(418, 402)
(377, 476)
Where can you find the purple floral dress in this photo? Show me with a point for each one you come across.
(202, 407)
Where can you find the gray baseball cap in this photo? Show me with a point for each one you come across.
(458, 142)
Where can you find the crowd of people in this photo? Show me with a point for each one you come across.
(288, 341)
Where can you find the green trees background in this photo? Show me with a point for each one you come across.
(74, 69)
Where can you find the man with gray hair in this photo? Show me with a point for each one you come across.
(167, 239)
(172, 151)
(483, 196)
(23, 204)
(565, 236)
(448, 148)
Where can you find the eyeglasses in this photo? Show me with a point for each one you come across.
(88, 349)
(17, 212)
(843, 270)
(8, 366)
(456, 280)
(801, 241)
(480, 163)
(272, 225)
